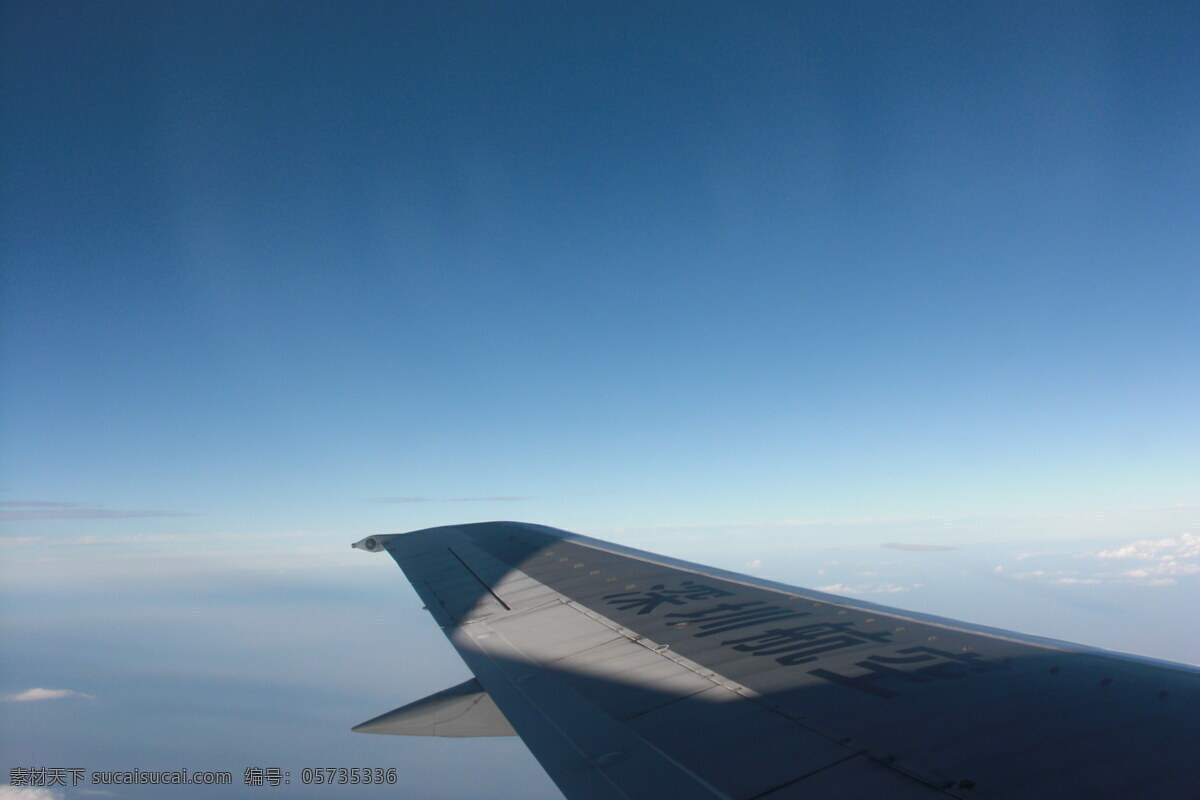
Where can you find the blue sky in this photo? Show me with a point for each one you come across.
(731, 280)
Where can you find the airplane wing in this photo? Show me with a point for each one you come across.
(632, 675)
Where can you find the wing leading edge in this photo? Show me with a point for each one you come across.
(631, 675)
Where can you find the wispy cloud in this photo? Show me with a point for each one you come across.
(889, 588)
(399, 499)
(495, 499)
(1163, 560)
(17, 541)
(1145, 562)
(149, 538)
(41, 509)
(1164, 569)
(501, 499)
(838, 588)
(885, 588)
(787, 523)
(36, 695)
(1185, 546)
(917, 548)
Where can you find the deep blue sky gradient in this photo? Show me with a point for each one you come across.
(729, 259)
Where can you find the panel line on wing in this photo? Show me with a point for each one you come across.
(482, 582)
(806, 775)
(597, 736)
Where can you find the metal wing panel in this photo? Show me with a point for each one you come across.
(457, 595)
(671, 720)
(585, 751)
(820, 697)
(738, 744)
(606, 711)
(855, 778)
(619, 676)
(556, 632)
(935, 698)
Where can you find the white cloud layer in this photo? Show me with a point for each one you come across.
(34, 695)
(1184, 546)
(28, 793)
(838, 588)
(1155, 562)
(885, 588)
(1165, 559)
